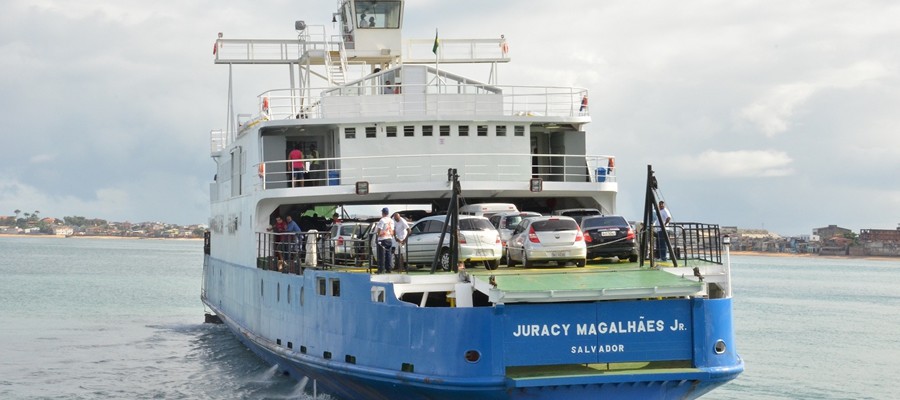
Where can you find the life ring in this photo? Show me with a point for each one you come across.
(261, 170)
(265, 105)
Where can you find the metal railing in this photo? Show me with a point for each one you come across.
(697, 241)
(494, 167)
(444, 99)
(291, 253)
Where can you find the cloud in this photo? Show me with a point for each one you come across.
(712, 164)
(773, 111)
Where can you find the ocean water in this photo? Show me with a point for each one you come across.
(122, 319)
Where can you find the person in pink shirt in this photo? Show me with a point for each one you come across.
(297, 167)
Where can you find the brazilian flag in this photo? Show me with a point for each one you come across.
(436, 42)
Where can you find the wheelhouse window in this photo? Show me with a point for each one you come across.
(378, 14)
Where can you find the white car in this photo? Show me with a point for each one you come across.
(479, 241)
(506, 223)
(547, 239)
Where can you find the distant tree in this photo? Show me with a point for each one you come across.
(75, 221)
(35, 214)
(18, 211)
(853, 237)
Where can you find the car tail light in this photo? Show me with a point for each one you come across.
(587, 238)
(502, 243)
(462, 239)
(532, 235)
(630, 234)
(579, 236)
(499, 241)
(340, 241)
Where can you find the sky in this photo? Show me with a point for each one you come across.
(758, 114)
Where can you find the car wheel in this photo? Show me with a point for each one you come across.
(492, 264)
(525, 262)
(580, 263)
(444, 259)
(632, 258)
(509, 261)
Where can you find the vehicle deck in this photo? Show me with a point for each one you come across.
(606, 281)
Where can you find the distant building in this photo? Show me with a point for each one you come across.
(830, 231)
(63, 231)
(881, 235)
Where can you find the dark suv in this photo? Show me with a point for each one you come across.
(609, 236)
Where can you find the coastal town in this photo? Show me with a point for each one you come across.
(831, 240)
(31, 223)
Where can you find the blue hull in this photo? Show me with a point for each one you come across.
(384, 336)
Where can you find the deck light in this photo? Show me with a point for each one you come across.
(537, 184)
(362, 187)
(299, 26)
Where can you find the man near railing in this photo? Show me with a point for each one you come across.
(278, 229)
(662, 241)
(292, 238)
(384, 233)
(401, 232)
(296, 164)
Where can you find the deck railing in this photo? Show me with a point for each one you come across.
(472, 99)
(493, 167)
(697, 241)
(290, 253)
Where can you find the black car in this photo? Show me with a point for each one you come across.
(609, 236)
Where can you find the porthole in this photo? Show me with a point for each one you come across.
(720, 347)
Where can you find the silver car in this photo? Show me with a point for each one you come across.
(506, 223)
(547, 239)
(479, 241)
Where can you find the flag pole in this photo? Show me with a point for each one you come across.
(437, 64)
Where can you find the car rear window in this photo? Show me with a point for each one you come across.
(475, 224)
(604, 221)
(549, 225)
(347, 230)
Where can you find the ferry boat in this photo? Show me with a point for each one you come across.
(384, 122)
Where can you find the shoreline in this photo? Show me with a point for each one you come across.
(15, 235)
(810, 255)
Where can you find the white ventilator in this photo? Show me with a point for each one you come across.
(311, 241)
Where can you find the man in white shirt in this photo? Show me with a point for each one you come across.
(401, 233)
(384, 241)
(662, 243)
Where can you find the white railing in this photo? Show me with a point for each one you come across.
(367, 99)
(454, 51)
(487, 167)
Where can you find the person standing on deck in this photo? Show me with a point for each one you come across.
(296, 166)
(293, 231)
(384, 233)
(662, 242)
(279, 228)
(314, 172)
(401, 232)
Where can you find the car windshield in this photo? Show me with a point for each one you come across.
(549, 225)
(604, 221)
(475, 224)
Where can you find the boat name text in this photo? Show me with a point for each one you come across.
(601, 328)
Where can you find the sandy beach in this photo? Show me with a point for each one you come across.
(7, 235)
